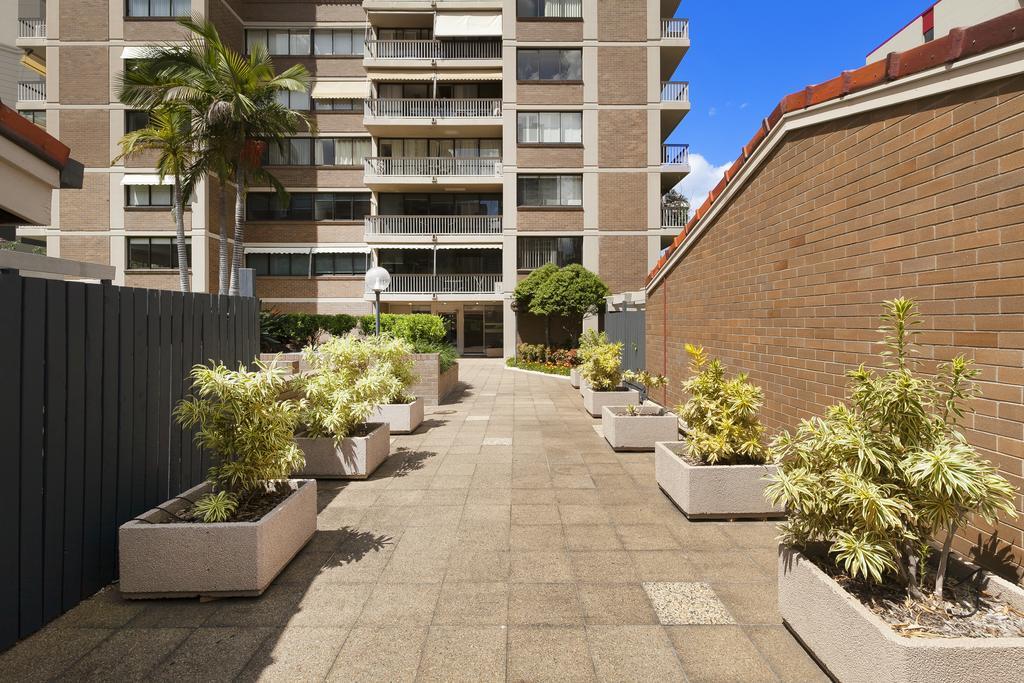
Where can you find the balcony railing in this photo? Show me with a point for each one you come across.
(675, 155)
(674, 216)
(32, 91)
(428, 167)
(431, 108)
(31, 28)
(434, 49)
(675, 91)
(675, 28)
(433, 225)
(444, 284)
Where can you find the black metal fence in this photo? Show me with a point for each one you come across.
(90, 374)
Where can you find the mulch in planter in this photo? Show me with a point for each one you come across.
(679, 451)
(964, 613)
(249, 509)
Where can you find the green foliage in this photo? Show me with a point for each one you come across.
(645, 379)
(348, 379)
(247, 428)
(547, 368)
(878, 478)
(589, 340)
(524, 292)
(215, 507)
(544, 355)
(294, 331)
(570, 291)
(425, 332)
(603, 366)
(447, 354)
(722, 427)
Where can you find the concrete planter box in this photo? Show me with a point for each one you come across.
(854, 644)
(625, 432)
(356, 458)
(401, 418)
(292, 362)
(574, 378)
(182, 559)
(583, 385)
(432, 385)
(595, 401)
(713, 491)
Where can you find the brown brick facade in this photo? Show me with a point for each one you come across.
(554, 31)
(622, 20)
(549, 157)
(83, 19)
(622, 138)
(85, 248)
(623, 261)
(549, 93)
(87, 208)
(87, 133)
(555, 221)
(924, 200)
(622, 75)
(308, 288)
(622, 202)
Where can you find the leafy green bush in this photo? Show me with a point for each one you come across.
(590, 339)
(602, 368)
(447, 354)
(425, 332)
(722, 427)
(876, 479)
(538, 353)
(548, 368)
(247, 428)
(293, 331)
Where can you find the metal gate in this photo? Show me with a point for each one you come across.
(627, 326)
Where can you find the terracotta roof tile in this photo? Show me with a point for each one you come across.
(960, 43)
(16, 127)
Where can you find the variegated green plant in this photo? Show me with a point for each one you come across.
(879, 478)
(722, 426)
(248, 429)
(349, 378)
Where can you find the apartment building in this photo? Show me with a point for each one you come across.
(460, 144)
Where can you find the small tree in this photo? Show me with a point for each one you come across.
(526, 290)
(572, 291)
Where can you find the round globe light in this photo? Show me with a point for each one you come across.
(377, 279)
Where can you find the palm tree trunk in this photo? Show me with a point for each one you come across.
(179, 227)
(236, 254)
(223, 275)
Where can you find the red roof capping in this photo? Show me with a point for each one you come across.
(959, 44)
(28, 135)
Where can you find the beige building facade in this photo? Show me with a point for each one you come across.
(460, 144)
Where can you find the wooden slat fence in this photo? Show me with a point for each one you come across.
(90, 374)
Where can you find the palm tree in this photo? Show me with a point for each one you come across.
(234, 100)
(170, 134)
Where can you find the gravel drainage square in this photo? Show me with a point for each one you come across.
(687, 603)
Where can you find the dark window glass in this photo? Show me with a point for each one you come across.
(339, 264)
(135, 120)
(308, 206)
(550, 190)
(158, 8)
(413, 204)
(534, 252)
(550, 65)
(155, 253)
(551, 9)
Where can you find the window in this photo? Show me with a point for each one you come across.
(551, 9)
(36, 116)
(405, 34)
(440, 204)
(148, 195)
(339, 264)
(294, 100)
(550, 127)
(550, 65)
(278, 264)
(534, 252)
(338, 105)
(135, 119)
(155, 253)
(301, 42)
(308, 206)
(318, 151)
(439, 147)
(159, 8)
(550, 190)
(343, 41)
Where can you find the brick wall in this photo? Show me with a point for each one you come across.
(85, 248)
(549, 93)
(622, 138)
(924, 200)
(87, 208)
(622, 75)
(558, 221)
(83, 19)
(556, 31)
(623, 261)
(431, 385)
(623, 202)
(87, 133)
(549, 157)
(306, 288)
(622, 20)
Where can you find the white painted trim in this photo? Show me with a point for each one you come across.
(990, 66)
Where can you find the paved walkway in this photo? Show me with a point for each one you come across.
(503, 541)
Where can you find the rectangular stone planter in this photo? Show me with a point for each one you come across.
(356, 458)
(625, 432)
(713, 491)
(188, 559)
(292, 362)
(401, 418)
(595, 401)
(574, 378)
(432, 385)
(854, 644)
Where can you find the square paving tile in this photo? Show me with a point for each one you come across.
(541, 566)
(127, 655)
(464, 653)
(406, 604)
(212, 654)
(544, 603)
(647, 537)
(591, 537)
(535, 514)
(687, 603)
(615, 604)
(297, 653)
(584, 514)
(389, 653)
(478, 566)
(719, 653)
(633, 653)
(472, 603)
(603, 566)
(545, 653)
(536, 537)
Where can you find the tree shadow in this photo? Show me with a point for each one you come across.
(356, 545)
(456, 395)
(429, 424)
(997, 556)
(402, 462)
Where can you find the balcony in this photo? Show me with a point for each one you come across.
(396, 52)
(31, 31)
(675, 164)
(486, 284)
(415, 172)
(392, 229)
(31, 91)
(430, 5)
(406, 116)
(675, 103)
(674, 216)
(675, 29)
(675, 41)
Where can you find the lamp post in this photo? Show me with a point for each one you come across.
(377, 280)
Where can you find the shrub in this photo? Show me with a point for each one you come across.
(447, 354)
(877, 478)
(603, 366)
(722, 427)
(645, 379)
(571, 291)
(590, 339)
(348, 379)
(566, 358)
(547, 368)
(248, 430)
(415, 328)
(293, 331)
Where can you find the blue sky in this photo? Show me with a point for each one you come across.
(745, 56)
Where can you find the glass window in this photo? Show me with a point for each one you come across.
(294, 100)
(439, 204)
(253, 38)
(155, 253)
(343, 41)
(347, 105)
(339, 264)
(149, 195)
(551, 9)
(308, 206)
(36, 116)
(299, 42)
(159, 8)
(550, 190)
(534, 252)
(550, 65)
(135, 120)
(278, 264)
(278, 41)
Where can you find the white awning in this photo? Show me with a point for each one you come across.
(469, 75)
(464, 25)
(400, 75)
(341, 90)
(277, 250)
(433, 75)
(341, 250)
(146, 179)
(136, 51)
(405, 246)
(494, 245)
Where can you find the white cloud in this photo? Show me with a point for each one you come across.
(701, 180)
(712, 111)
(744, 105)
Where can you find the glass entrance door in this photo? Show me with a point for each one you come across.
(473, 331)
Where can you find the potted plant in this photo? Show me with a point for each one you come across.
(638, 428)
(235, 532)
(601, 380)
(399, 409)
(589, 340)
(718, 470)
(343, 388)
(869, 487)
